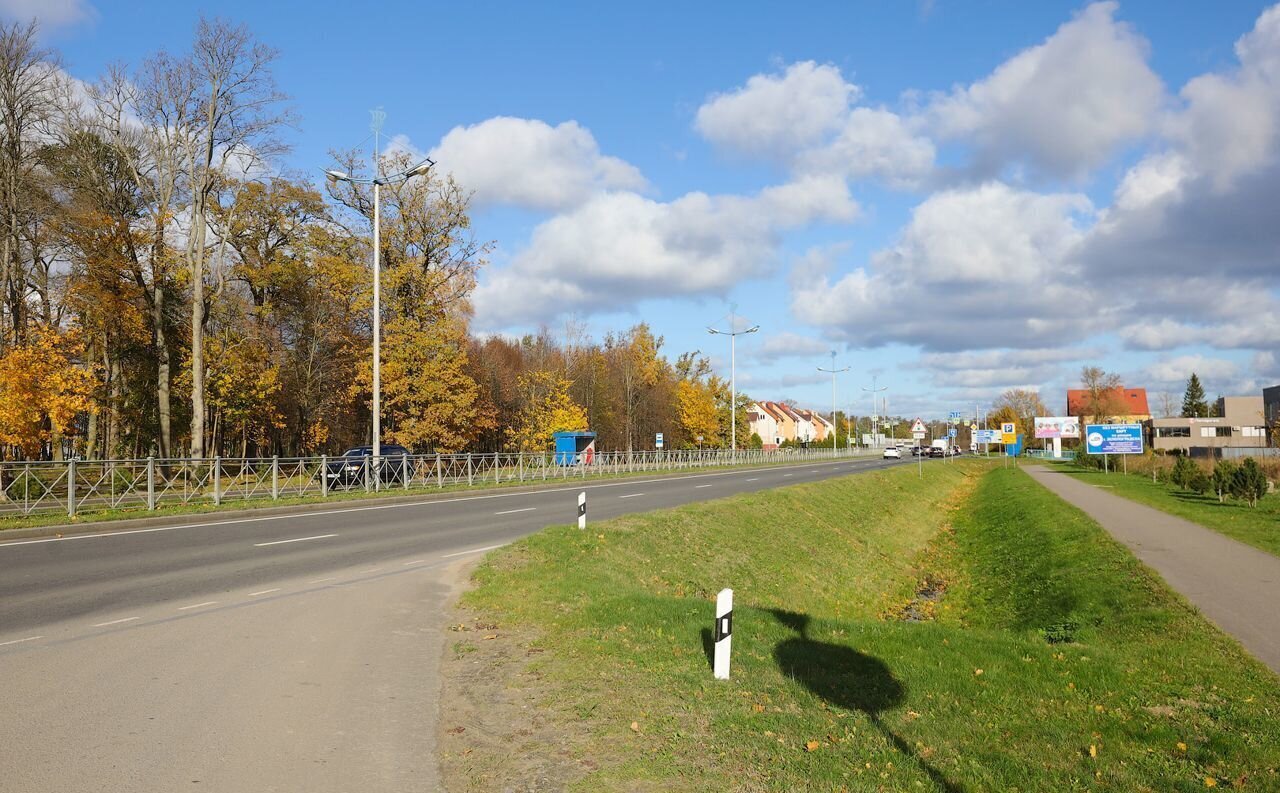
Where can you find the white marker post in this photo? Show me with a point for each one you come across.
(723, 633)
(582, 510)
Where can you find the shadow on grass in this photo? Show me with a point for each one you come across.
(846, 679)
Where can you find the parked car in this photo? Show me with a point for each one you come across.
(892, 453)
(916, 451)
(349, 470)
(955, 451)
(934, 451)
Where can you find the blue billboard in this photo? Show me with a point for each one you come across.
(1113, 438)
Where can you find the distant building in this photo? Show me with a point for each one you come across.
(776, 422)
(765, 424)
(1238, 423)
(1271, 411)
(1128, 406)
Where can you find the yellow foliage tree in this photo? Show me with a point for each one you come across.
(429, 399)
(42, 389)
(547, 408)
(698, 413)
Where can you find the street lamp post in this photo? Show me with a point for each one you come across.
(421, 169)
(834, 371)
(875, 418)
(733, 335)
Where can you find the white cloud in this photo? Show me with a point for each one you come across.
(778, 346)
(779, 114)
(618, 249)
(50, 13)
(975, 268)
(1171, 372)
(529, 163)
(1063, 106)
(874, 142)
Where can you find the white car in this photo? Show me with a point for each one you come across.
(892, 453)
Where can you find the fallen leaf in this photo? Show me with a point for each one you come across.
(1182, 747)
(758, 708)
(977, 672)
(1210, 782)
(635, 726)
(492, 636)
(812, 746)
(456, 730)
(1093, 750)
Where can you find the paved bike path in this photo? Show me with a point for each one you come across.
(1233, 584)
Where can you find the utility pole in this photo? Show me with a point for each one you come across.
(834, 371)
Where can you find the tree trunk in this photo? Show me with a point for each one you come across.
(163, 356)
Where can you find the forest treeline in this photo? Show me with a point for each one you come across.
(170, 290)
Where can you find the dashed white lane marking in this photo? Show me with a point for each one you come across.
(787, 474)
(631, 495)
(473, 550)
(116, 622)
(699, 487)
(322, 580)
(754, 479)
(370, 570)
(20, 641)
(263, 592)
(514, 511)
(198, 605)
(295, 539)
(415, 561)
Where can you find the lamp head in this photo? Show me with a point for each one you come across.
(337, 175)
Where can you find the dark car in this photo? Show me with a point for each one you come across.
(934, 451)
(352, 468)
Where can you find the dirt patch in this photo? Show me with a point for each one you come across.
(498, 727)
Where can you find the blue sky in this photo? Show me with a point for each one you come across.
(958, 197)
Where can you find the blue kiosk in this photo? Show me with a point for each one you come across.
(575, 448)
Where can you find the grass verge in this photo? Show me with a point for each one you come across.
(965, 632)
(1257, 526)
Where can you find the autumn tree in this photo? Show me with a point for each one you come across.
(547, 409)
(42, 390)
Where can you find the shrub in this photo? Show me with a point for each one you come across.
(1248, 482)
(1224, 474)
(1183, 471)
(1199, 481)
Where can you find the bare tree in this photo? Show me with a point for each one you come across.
(1102, 398)
(1167, 404)
(234, 124)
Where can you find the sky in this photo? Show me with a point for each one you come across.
(955, 198)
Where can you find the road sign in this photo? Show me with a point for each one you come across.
(954, 416)
(1008, 432)
(986, 436)
(951, 433)
(973, 428)
(918, 426)
(918, 436)
(1113, 438)
(659, 440)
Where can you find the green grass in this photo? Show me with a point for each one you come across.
(1055, 661)
(1257, 526)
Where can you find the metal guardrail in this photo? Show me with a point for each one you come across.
(78, 486)
(1045, 454)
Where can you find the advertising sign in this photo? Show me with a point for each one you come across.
(658, 440)
(986, 436)
(1114, 438)
(1057, 427)
(1008, 432)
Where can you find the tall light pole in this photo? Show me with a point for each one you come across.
(875, 418)
(378, 180)
(733, 335)
(834, 371)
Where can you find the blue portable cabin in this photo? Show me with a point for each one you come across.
(575, 448)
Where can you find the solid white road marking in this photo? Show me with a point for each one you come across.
(263, 592)
(295, 539)
(473, 550)
(631, 495)
(198, 605)
(514, 511)
(116, 622)
(20, 641)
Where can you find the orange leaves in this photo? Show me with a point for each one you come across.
(42, 388)
(546, 408)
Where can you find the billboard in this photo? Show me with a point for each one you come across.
(986, 436)
(1113, 438)
(1057, 427)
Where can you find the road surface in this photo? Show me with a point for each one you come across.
(1235, 585)
(273, 653)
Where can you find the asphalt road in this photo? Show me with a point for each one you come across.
(282, 652)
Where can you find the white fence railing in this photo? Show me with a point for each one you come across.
(80, 486)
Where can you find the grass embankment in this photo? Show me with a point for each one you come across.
(1257, 526)
(967, 632)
